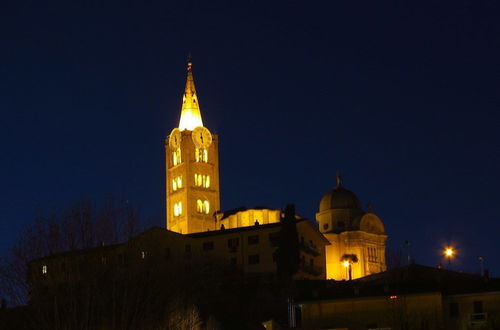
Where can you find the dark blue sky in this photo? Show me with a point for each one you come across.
(401, 97)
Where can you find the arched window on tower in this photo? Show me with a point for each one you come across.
(202, 180)
(206, 205)
(177, 209)
(202, 206)
(177, 183)
(201, 155)
(176, 155)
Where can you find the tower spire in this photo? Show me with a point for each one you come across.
(190, 112)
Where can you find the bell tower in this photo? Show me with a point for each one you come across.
(192, 169)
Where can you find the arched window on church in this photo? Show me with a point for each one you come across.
(202, 180)
(176, 155)
(206, 205)
(201, 155)
(202, 206)
(177, 183)
(177, 209)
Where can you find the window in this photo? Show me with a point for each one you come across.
(176, 155)
(454, 312)
(478, 306)
(254, 239)
(233, 243)
(44, 269)
(202, 180)
(143, 254)
(202, 206)
(372, 254)
(177, 183)
(177, 209)
(253, 259)
(167, 253)
(208, 246)
(201, 155)
(104, 260)
(274, 236)
(325, 226)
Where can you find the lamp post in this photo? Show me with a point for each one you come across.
(481, 262)
(347, 265)
(347, 260)
(449, 253)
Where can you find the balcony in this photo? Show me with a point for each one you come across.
(478, 318)
(312, 270)
(309, 248)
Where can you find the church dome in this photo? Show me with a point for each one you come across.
(339, 198)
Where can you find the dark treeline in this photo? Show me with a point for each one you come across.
(79, 226)
(147, 294)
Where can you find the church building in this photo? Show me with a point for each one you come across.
(357, 238)
(344, 242)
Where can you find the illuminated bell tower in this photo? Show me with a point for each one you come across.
(192, 169)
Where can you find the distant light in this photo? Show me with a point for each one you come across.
(393, 297)
(449, 252)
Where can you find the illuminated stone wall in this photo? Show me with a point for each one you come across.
(351, 232)
(248, 217)
(192, 219)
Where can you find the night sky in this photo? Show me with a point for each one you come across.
(401, 97)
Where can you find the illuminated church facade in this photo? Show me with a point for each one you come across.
(353, 240)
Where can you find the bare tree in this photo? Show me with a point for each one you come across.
(79, 226)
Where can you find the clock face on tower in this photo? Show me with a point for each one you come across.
(175, 139)
(202, 138)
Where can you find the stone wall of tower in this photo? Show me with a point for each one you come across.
(191, 220)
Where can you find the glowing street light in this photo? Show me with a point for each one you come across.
(347, 265)
(347, 260)
(449, 253)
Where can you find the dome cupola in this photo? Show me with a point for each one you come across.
(339, 198)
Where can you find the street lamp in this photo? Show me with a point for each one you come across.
(449, 253)
(347, 265)
(347, 260)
